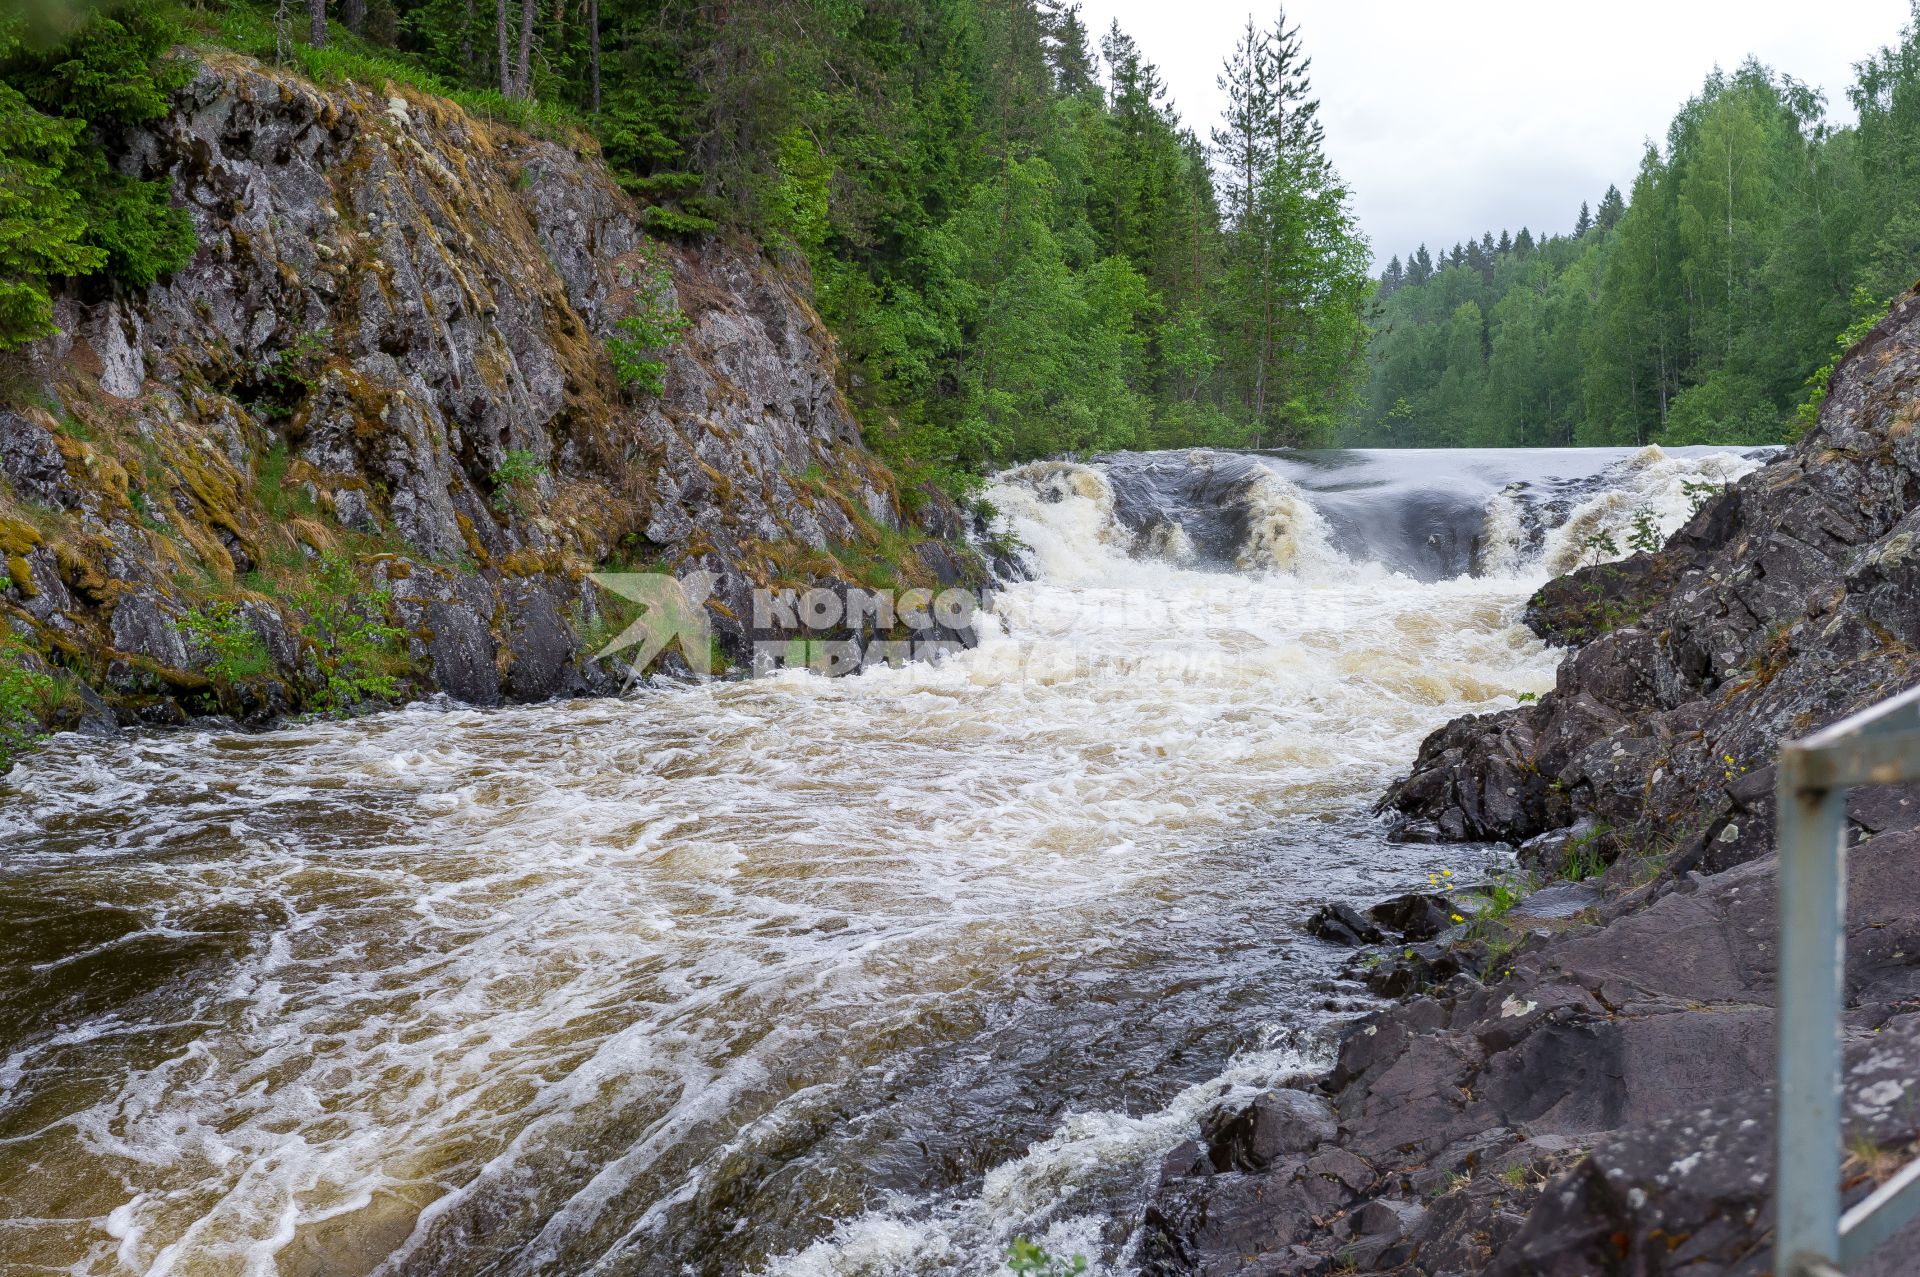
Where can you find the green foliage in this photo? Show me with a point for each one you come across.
(63, 210)
(518, 468)
(1698, 492)
(1597, 547)
(1024, 1256)
(650, 327)
(1644, 534)
(1702, 308)
(278, 382)
(25, 693)
(1583, 859)
(236, 649)
(1869, 313)
(43, 221)
(344, 624)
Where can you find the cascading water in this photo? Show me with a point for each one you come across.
(791, 975)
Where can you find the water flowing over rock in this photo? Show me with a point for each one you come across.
(1599, 1100)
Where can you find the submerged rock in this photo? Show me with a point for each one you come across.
(1343, 924)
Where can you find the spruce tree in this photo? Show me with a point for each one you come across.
(1611, 207)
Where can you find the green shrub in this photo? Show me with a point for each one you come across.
(517, 469)
(652, 324)
(63, 211)
(224, 630)
(1028, 1257)
(1869, 313)
(345, 625)
(25, 693)
(1645, 534)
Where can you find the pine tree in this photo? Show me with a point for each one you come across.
(1583, 223)
(1067, 46)
(1611, 207)
(1506, 243)
(1244, 141)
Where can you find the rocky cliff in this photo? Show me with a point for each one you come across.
(1597, 1099)
(379, 399)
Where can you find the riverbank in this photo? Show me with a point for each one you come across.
(1599, 1102)
(372, 441)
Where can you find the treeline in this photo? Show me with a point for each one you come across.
(1020, 244)
(1695, 309)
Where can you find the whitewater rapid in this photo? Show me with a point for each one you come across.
(784, 976)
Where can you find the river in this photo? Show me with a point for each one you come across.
(787, 975)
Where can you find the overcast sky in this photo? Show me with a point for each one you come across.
(1451, 119)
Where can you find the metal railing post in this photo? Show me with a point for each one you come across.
(1812, 886)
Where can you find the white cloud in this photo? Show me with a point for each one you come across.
(1448, 120)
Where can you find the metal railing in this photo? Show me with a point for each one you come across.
(1877, 746)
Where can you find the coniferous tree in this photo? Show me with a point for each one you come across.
(1611, 207)
(1583, 223)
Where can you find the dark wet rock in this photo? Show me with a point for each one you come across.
(1419, 915)
(1780, 607)
(1598, 1099)
(1343, 924)
(1420, 968)
(1254, 1135)
(1554, 902)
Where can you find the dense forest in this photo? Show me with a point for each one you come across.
(1021, 246)
(1697, 307)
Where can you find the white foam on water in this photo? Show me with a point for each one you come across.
(1284, 532)
(1654, 483)
(1504, 548)
(1034, 1195)
(562, 969)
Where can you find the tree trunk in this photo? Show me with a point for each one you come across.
(500, 31)
(523, 67)
(466, 43)
(593, 49)
(317, 23)
(354, 14)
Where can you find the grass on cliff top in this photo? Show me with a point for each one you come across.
(247, 28)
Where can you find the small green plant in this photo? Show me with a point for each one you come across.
(517, 469)
(274, 493)
(225, 630)
(1645, 532)
(279, 381)
(25, 693)
(1526, 698)
(1699, 492)
(345, 625)
(1599, 546)
(652, 324)
(1028, 1257)
(1501, 898)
